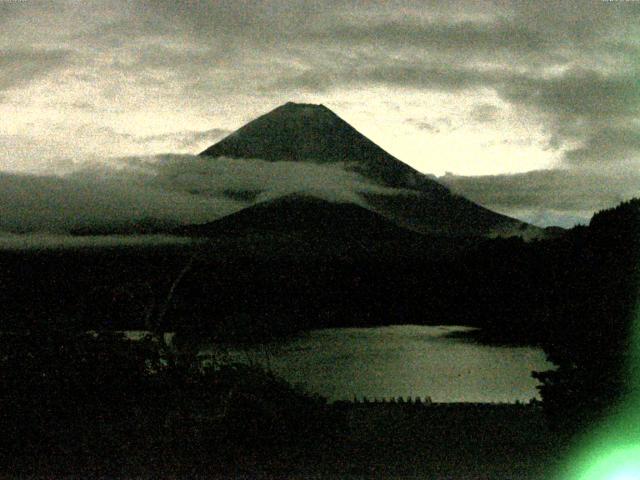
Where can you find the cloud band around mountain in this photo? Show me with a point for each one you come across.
(176, 189)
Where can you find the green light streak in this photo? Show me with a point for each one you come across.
(618, 464)
(612, 450)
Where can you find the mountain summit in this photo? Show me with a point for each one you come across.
(300, 132)
(308, 132)
(297, 132)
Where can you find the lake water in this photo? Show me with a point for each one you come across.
(406, 360)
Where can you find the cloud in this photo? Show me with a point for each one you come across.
(571, 94)
(56, 149)
(607, 145)
(484, 112)
(187, 139)
(548, 196)
(19, 66)
(30, 203)
(578, 92)
(468, 36)
(422, 125)
(174, 189)
(333, 181)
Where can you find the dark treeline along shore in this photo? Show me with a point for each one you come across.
(232, 287)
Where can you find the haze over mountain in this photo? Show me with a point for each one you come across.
(314, 134)
(155, 194)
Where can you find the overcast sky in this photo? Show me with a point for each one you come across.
(532, 107)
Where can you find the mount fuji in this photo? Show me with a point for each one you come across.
(297, 132)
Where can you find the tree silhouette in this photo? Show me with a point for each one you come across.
(590, 336)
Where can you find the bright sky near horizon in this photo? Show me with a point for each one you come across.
(532, 107)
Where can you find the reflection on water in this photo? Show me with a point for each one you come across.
(407, 361)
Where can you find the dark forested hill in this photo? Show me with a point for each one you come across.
(299, 214)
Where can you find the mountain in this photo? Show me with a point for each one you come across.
(304, 214)
(313, 133)
(308, 226)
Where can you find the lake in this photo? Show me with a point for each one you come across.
(394, 361)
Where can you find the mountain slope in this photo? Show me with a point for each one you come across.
(301, 213)
(304, 132)
(301, 225)
(313, 133)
